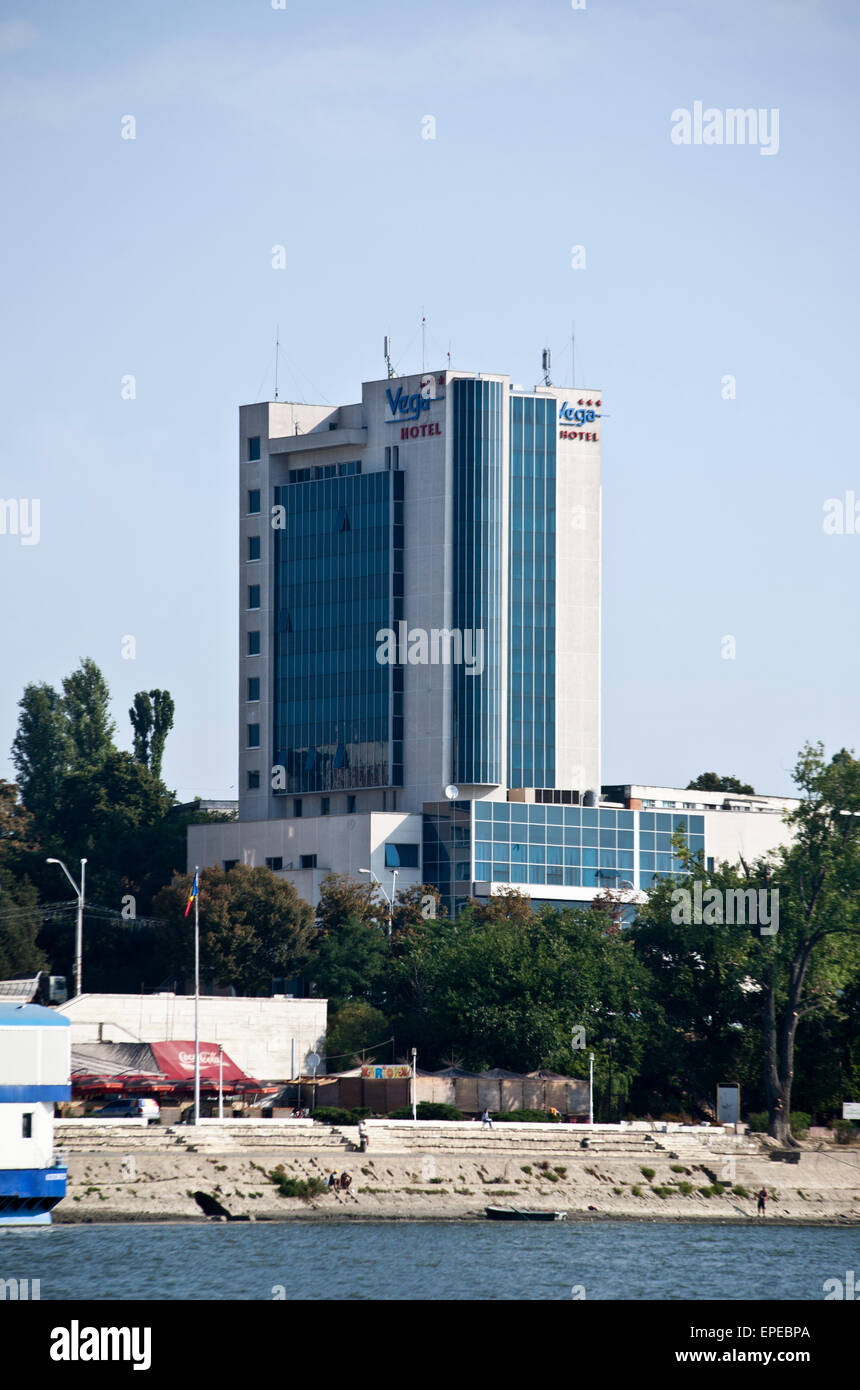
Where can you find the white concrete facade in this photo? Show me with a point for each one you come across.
(265, 1037)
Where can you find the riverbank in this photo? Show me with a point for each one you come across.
(156, 1180)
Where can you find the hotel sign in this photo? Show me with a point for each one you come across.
(406, 408)
(579, 413)
(374, 1073)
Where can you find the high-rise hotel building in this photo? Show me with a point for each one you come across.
(419, 643)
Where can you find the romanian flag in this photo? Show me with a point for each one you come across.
(192, 895)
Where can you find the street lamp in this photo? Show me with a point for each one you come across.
(79, 931)
(390, 900)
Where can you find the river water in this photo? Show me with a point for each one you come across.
(438, 1260)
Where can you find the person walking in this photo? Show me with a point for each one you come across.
(363, 1139)
(762, 1201)
(486, 1121)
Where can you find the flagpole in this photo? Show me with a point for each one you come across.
(196, 998)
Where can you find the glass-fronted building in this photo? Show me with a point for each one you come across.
(552, 852)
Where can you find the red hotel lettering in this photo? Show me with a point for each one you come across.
(419, 431)
(574, 434)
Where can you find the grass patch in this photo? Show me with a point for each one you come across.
(636, 1190)
(648, 1173)
(562, 1172)
(618, 1192)
(677, 1168)
(526, 1168)
(296, 1187)
(739, 1190)
(685, 1188)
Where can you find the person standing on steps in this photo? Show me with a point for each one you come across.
(363, 1139)
(762, 1201)
(486, 1120)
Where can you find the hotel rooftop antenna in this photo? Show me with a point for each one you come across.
(423, 333)
(546, 363)
(386, 348)
(277, 347)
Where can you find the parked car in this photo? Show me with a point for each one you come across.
(129, 1108)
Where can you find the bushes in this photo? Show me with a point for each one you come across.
(296, 1187)
(527, 1117)
(335, 1115)
(844, 1131)
(427, 1110)
(759, 1119)
(647, 1173)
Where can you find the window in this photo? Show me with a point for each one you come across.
(401, 856)
(27, 1125)
(297, 806)
(325, 805)
(253, 735)
(229, 864)
(253, 596)
(253, 688)
(274, 862)
(308, 861)
(253, 644)
(253, 781)
(253, 501)
(253, 547)
(253, 448)
(350, 804)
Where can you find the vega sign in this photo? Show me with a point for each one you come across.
(409, 405)
(578, 413)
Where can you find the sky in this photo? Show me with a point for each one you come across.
(714, 304)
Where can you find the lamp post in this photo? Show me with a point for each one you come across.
(611, 1042)
(390, 900)
(591, 1089)
(79, 931)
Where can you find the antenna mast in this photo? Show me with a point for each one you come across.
(423, 332)
(546, 363)
(277, 347)
(386, 348)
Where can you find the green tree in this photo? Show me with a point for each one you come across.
(803, 969)
(86, 705)
(254, 928)
(141, 718)
(708, 1008)
(40, 751)
(343, 898)
(162, 723)
(509, 990)
(713, 782)
(20, 922)
(351, 962)
(151, 718)
(352, 1032)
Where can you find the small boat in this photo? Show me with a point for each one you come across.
(522, 1214)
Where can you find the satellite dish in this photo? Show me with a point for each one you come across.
(452, 792)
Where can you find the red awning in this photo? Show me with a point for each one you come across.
(176, 1060)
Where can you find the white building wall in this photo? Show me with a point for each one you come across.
(256, 1033)
(15, 1150)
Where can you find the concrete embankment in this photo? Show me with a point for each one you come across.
(125, 1171)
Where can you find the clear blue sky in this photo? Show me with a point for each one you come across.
(302, 127)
